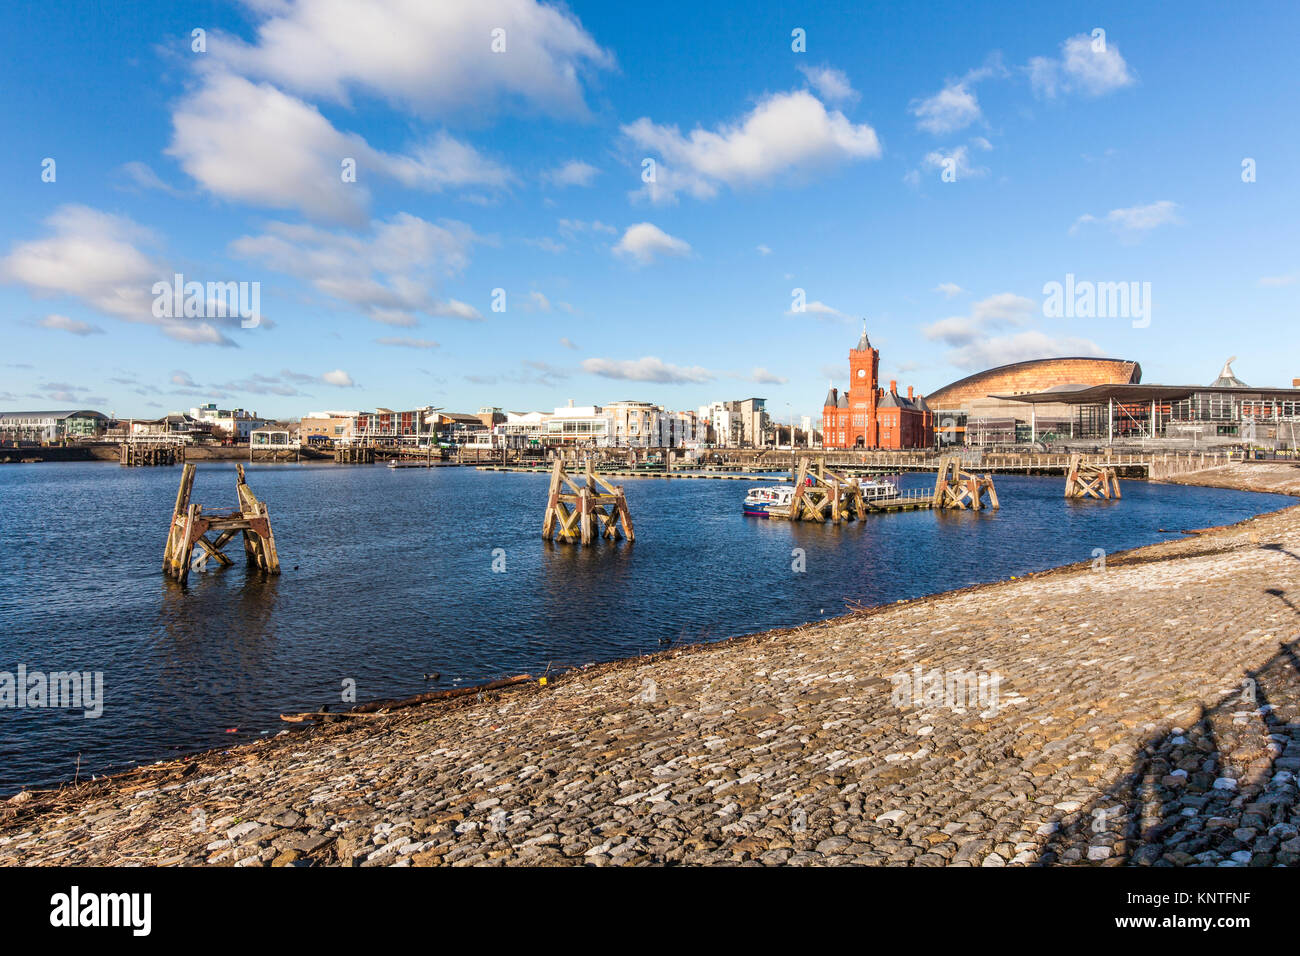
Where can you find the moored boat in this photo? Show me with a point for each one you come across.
(760, 499)
(876, 489)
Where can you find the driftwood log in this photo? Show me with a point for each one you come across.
(377, 706)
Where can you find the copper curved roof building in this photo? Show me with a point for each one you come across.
(1037, 375)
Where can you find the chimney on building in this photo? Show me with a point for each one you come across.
(1295, 383)
(893, 386)
(909, 393)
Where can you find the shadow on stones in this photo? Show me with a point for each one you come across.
(1281, 596)
(1222, 792)
(1279, 548)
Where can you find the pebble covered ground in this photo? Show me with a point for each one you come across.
(1143, 712)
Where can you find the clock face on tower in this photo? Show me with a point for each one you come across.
(862, 373)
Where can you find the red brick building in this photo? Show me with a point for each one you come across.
(866, 416)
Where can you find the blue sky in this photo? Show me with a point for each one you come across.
(1115, 158)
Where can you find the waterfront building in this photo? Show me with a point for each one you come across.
(491, 416)
(522, 429)
(235, 423)
(175, 425)
(462, 428)
(968, 413)
(636, 424)
(52, 425)
(866, 416)
(588, 425)
(415, 425)
(737, 424)
(754, 422)
(680, 430)
(1227, 412)
(333, 426)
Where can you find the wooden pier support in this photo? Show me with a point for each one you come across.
(354, 454)
(820, 494)
(139, 454)
(190, 525)
(584, 511)
(961, 490)
(1090, 481)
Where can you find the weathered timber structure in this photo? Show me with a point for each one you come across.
(1090, 481)
(959, 490)
(354, 454)
(190, 525)
(142, 454)
(820, 494)
(584, 511)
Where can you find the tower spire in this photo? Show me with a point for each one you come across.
(864, 343)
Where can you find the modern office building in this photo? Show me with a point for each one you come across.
(56, 425)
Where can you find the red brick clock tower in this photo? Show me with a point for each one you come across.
(864, 382)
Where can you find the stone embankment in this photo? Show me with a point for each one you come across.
(1141, 710)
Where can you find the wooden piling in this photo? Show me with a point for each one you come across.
(1090, 481)
(190, 526)
(820, 494)
(959, 490)
(133, 454)
(585, 511)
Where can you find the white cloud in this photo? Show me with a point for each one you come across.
(339, 378)
(573, 173)
(954, 330)
(572, 228)
(1020, 347)
(389, 275)
(763, 250)
(974, 345)
(1003, 307)
(95, 257)
(547, 244)
(141, 176)
(444, 162)
(1081, 69)
(647, 369)
(949, 289)
(1275, 282)
(996, 311)
(832, 85)
(959, 161)
(786, 134)
(954, 107)
(433, 59)
(1133, 220)
(407, 343)
(762, 376)
(568, 344)
(250, 142)
(818, 310)
(65, 324)
(644, 241)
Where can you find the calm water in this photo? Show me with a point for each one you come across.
(387, 575)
